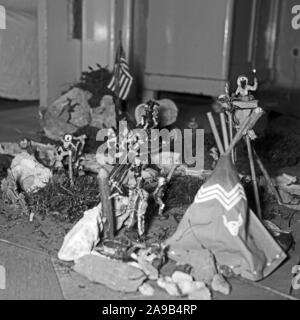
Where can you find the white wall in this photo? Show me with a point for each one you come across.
(98, 32)
(62, 59)
(29, 6)
(19, 77)
(59, 56)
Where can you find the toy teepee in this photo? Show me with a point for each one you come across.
(220, 220)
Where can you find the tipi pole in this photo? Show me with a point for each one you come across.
(215, 132)
(267, 177)
(224, 130)
(253, 176)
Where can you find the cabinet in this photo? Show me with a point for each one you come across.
(188, 45)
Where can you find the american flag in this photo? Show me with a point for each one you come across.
(219, 220)
(122, 80)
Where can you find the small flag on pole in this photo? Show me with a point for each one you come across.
(122, 80)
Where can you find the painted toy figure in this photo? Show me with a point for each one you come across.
(75, 144)
(13, 201)
(240, 105)
(126, 179)
(161, 188)
(242, 113)
(72, 148)
(159, 194)
(138, 199)
(148, 115)
(111, 139)
(213, 152)
(243, 89)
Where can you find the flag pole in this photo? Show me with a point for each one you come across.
(117, 77)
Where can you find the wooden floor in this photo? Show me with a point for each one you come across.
(29, 274)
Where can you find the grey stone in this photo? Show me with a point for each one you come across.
(219, 284)
(168, 112)
(67, 114)
(202, 261)
(114, 274)
(30, 174)
(105, 115)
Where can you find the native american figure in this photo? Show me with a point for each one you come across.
(147, 115)
(126, 180)
(159, 194)
(243, 89)
(138, 199)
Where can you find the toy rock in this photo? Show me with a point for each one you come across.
(179, 276)
(83, 237)
(146, 266)
(146, 290)
(169, 285)
(114, 274)
(30, 174)
(10, 148)
(186, 283)
(67, 114)
(201, 260)
(12, 200)
(200, 294)
(104, 116)
(219, 284)
(46, 154)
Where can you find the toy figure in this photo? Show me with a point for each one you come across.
(13, 200)
(149, 115)
(112, 139)
(240, 105)
(213, 152)
(73, 151)
(243, 89)
(126, 178)
(160, 190)
(130, 146)
(69, 144)
(138, 199)
(159, 194)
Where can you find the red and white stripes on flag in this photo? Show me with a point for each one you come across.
(124, 78)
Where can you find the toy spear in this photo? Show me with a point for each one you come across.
(70, 155)
(107, 208)
(117, 79)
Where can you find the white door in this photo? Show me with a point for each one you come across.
(59, 51)
(98, 33)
